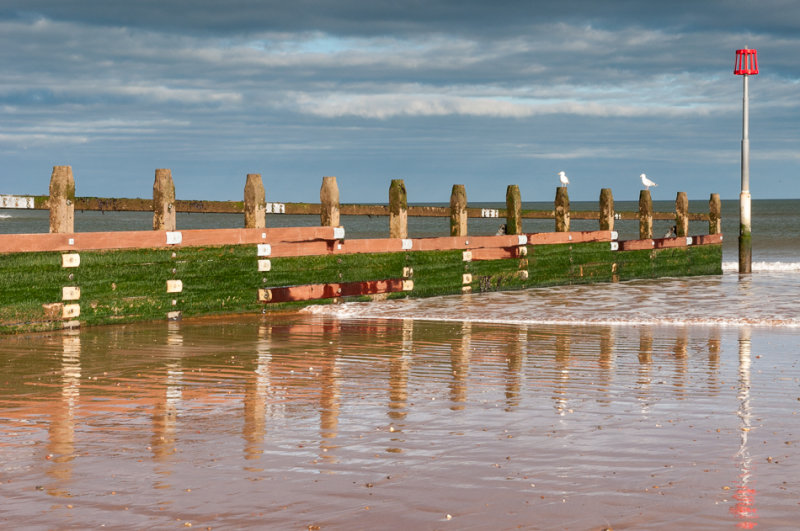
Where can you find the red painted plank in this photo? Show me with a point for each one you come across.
(636, 245)
(493, 254)
(329, 291)
(545, 238)
(668, 243)
(376, 245)
(707, 239)
(16, 243)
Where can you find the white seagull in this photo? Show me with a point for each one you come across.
(647, 182)
(563, 178)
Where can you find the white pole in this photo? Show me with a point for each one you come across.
(745, 243)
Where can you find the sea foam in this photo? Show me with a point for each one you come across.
(763, 266)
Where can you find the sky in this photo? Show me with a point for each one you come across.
(434, 92)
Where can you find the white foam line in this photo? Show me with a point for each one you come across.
(341, 312)
(763, 266)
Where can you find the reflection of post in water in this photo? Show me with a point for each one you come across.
(606, 362)
(714, 347)
(459, 363)
(514, 357)
(257, 390)
(562, 360)
(607, 347)
(165, 410)
(398, 373)
(645, 365)
(744, 508)
(61, 445)
(329, 380)
(681, 361)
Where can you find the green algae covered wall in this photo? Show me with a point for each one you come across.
(131, 285)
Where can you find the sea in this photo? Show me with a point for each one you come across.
(645, 404)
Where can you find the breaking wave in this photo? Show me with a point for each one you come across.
(364, 311)
(777, 267)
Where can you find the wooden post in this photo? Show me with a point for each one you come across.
(682, 215)
(645, 215)
(255, 202)
(398, 209)
(513, 210)
(163, 201)
(62, 200)
(714, 214)
(606, 209)
(458, 211)
(329, 199)
(562, 209)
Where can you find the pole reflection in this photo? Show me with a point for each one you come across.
(681, 361)
(744, 508)
(398, 374)
(165, 408)
(714, 349)
(459, 363)
(61, 442)
(606, 363)
(562, 363)
(645, 367)
(257, 391)
(513, 377)
(330, 393)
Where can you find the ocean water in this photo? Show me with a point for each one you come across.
(647, 404)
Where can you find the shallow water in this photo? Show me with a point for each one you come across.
(635, 405)
(769, 298)
(303, 421)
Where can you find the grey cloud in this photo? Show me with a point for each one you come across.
(425, 90)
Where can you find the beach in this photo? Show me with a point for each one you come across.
(632, 405)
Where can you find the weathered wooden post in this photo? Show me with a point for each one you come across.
(714, 214)
(62, 200)
(681, 215)
(398, 209)
(562, 209)
(458, 211)
(163, 201)
(513, 210)
(606, 209)
(329, 202)
(255, 202)
(645, 215)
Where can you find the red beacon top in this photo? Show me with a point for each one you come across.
(746, 62)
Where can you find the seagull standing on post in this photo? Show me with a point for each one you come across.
(563, 178)
(647, 182)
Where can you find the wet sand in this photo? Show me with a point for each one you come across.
(308, 422)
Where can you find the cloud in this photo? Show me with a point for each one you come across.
(385, 106)
(352, 87)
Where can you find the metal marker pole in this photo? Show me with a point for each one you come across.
(745, 243)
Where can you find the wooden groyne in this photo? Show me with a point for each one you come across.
(117, 204)
(67, 279)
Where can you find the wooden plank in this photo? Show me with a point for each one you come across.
(494, 254)
(668, 243)
(17, 243)
(334, 290)
(549, 238)
(707, 239)
(636, 245)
